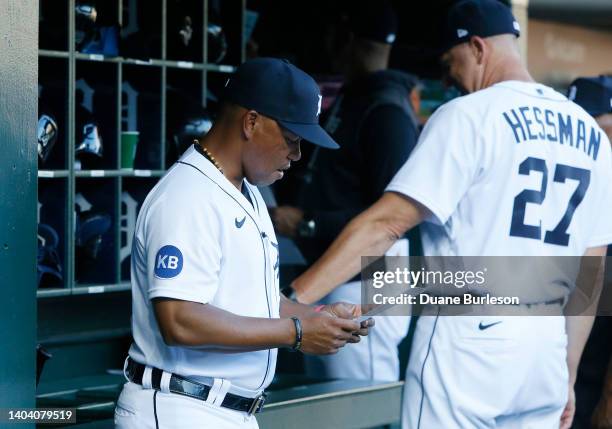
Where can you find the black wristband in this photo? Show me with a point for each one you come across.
(298, 334)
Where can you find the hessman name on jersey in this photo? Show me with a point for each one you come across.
(532, 123)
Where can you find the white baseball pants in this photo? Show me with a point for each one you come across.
(140, 408)
(511, 375)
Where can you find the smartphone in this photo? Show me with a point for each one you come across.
(375, 311)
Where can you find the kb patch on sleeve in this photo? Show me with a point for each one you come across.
(168, 262)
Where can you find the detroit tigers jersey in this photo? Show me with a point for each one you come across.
(199, 239)
(514, 169)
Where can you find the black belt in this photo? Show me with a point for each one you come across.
(193, 389)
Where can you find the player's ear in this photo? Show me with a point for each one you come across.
(479, 49)
(249, 123)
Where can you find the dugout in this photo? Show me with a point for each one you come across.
(130, 83)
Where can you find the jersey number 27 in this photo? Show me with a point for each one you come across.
(559, 235)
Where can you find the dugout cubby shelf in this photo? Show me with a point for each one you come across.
(120, 87)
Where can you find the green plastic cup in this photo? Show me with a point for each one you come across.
(129, 141)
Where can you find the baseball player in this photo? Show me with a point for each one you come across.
(522, 171)
(594, 94)
(594, 381)
(377, 127)
(207, 313)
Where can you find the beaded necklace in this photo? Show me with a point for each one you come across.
(208, 155)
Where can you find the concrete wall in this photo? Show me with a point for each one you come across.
(558, 53)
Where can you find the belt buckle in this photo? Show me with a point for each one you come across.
(257, 404)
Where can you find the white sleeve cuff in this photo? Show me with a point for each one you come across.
(162, 292)
(600, 241)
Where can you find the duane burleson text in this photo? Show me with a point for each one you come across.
(425, 299)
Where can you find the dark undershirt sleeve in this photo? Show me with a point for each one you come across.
(386, 139)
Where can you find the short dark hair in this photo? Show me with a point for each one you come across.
(226, 109)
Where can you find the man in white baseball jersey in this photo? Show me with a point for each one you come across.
(521, 171)
(207, 313)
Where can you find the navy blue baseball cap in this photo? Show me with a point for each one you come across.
(375, 21)
(279, 90)
(483, 18)
(593, 94)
